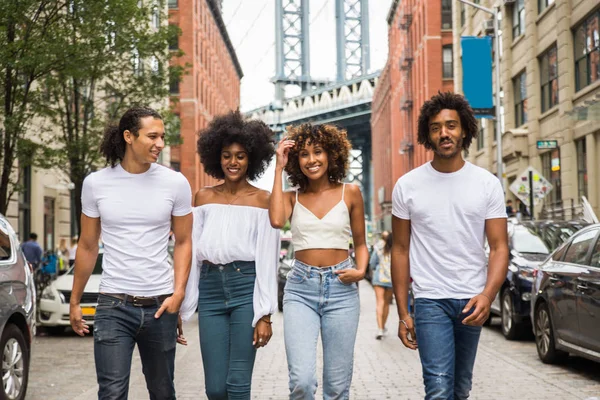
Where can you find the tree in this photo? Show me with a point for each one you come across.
(28, 52)
(115, 55)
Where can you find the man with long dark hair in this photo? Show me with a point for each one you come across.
(134, 203)
(441, 213)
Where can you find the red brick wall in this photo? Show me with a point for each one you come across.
(418, 82)
(211, 86)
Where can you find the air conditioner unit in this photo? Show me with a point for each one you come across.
(488, 26)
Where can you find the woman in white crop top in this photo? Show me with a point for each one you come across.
(233, 280)
(321, 292)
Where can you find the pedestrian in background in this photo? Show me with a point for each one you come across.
(62, 253)
(510, 210)
(72, 251)
(233, 281)
(32, 250)
(382, 282)
(442, 211)
(321, 292)
(134, 203)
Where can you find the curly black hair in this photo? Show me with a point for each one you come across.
(113, 143)
(224, 130)
(335, 143)
(448, 101)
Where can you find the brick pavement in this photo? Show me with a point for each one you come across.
(62, 368)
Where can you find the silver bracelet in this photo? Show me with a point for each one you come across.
(404, 322)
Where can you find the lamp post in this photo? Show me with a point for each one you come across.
(495, 13)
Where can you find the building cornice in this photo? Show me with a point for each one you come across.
(215, 9)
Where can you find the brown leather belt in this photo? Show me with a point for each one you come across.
(138, 301)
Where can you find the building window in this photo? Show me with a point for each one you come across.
(582, 181)
(138, 65)
(176, 166)
(520, 91)
(463, 17)
(173, 4)
(481, 134)
(587, 51)
(543, 4)
(174, 42)
(49, 215)
(518, 21)
(446, 14)
(549, 78)
(156, 15)
(551, 171)
(173, 85)
(447, 70)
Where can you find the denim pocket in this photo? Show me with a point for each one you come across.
(107, 302)
(296, 276)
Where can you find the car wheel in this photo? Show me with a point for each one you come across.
(15, 363)
(510, 329)
(544, 337)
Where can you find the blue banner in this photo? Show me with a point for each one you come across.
(477, 74)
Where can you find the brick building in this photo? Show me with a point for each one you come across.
(420, 63)
(550, 90)
(212, 84)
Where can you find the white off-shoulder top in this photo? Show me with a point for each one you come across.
(225, 233)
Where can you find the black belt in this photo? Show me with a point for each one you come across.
(138, 301)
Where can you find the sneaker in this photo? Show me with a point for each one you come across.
(385, 331)
(380, 334)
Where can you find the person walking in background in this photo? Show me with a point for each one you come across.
(62, 253)
(382, 282)
(321, 292)
(510, 210)
(382, 241)
(233, 281)
(32, 250)
(72, 251)
(134, 203)
(442, 211)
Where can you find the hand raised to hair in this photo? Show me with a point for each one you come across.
(283, 150)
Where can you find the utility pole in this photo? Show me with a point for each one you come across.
(495, 13)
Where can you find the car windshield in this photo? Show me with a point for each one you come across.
(97, 267)
(524, 241)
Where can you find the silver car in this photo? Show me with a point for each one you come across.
(17, 314)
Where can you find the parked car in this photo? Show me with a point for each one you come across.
(566, 299)
(53, 312)
(527, 250)
(17, 314)
(285, 266)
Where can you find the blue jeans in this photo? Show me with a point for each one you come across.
(225, 314)
(118, 326)
(316, 300)
(447, 347)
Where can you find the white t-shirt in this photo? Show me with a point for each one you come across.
(447, 212)
(135, 215)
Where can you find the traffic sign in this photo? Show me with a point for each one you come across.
(520, 187)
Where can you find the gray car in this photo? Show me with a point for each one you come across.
(17, 314)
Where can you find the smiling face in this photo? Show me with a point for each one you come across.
(313, 161)
(149, 141)
(234, 162)
(446, 134)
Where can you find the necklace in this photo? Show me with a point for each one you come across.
(237, 197)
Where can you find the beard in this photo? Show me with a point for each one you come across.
(451, 153)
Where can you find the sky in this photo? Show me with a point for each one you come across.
(251, 27)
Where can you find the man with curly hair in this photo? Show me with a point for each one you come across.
(134, 203)
(442, 211)
(233, 281)
(321, 292)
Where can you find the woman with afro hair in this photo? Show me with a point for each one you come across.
(233, 281)
(321, 293)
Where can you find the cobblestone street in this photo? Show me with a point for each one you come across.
(62, 368)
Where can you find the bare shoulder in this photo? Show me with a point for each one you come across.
(353, 191)
(262, 198)
(204, 196)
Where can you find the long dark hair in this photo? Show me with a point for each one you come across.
(113, 144)
(387, 247)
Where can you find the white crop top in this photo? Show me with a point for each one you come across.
(330, 232)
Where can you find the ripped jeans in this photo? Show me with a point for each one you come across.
(447, 348)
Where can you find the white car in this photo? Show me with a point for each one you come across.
(54, 302)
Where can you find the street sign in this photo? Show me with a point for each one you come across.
(520, 187)
(547, 144)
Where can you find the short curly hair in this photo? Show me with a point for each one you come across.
(447, 101)
(224, 130)
(335, 143)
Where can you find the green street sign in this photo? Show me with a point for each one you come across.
(547, 144)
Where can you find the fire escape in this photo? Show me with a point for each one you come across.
(406, 101)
